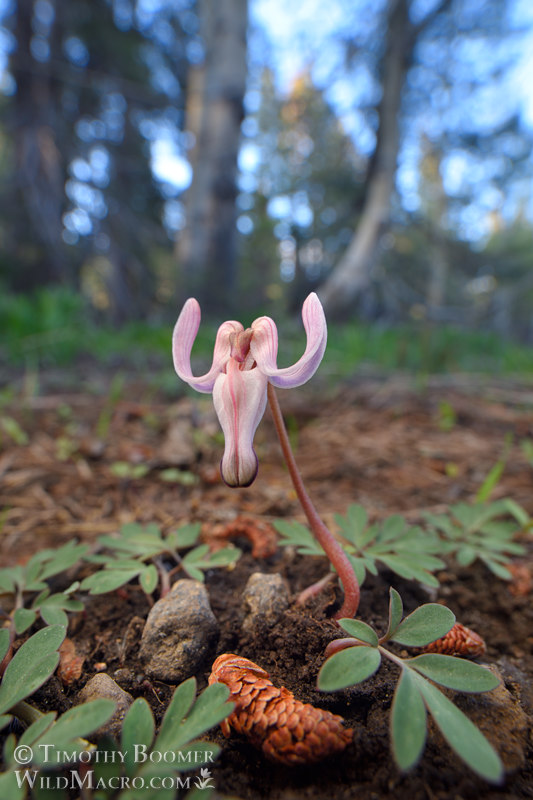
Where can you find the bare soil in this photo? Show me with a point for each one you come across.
(385, 444)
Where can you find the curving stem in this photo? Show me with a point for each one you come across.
(324, 537)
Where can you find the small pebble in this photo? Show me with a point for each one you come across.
(181, 633)
(265, 598)
(102, 685)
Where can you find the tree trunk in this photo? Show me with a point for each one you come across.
(37, 190)
(352, 273)
(206, 249)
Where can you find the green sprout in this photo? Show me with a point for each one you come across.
(357, 658)
(185, 719)
(142, 552)
(128, 777)
(127, 471)
(31, 666)
(409, 551)
(11, 428)
(483, 531)
(30, 594)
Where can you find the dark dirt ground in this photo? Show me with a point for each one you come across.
(381, 443)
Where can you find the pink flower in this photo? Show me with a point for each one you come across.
(244, 362)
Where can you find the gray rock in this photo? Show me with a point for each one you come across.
(181, 632)
(266, 598)
(500, 716)
(102, 685)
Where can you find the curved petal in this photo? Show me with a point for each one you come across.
(239, 397)
(183, 338)
(264, 346)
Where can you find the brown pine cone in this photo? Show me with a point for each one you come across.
(459, 641)
(285, 729)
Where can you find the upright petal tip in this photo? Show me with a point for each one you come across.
(264, 346)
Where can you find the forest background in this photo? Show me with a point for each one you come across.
(248, 152)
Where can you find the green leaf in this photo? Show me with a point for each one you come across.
(497, 569)
(392, 528)
(200, 558)
(24, 619)
(408, 722)
(7, 584)
(183, 477)
(466, 555)
(77, 722)
(31, 666)
(4, 642)
(426, 624)
(354, 526)
(149, 579)
(13, 429)
(454, 673)
(54, 616)
(9, 786)
(294, 534)
(179, 706)
(406, 568)
(107, 580)
(61, 600)
(210, 708)
(186, 536)
(360, 630)
(490, 482)
(513, 508)
(348, 667)
(37, 728)
(142, 544)
(63, 558)
(461, 733)
(395, 612)
(137, 729)
(131, 529)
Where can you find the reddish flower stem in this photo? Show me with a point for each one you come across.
(324, 537)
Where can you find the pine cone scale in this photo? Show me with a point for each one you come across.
(286, 730)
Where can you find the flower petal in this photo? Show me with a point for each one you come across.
(183, 338)
(264, 346)
(239, 397)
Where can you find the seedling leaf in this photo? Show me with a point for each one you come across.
(461, 733)
(77, 722)
(408, 722)
(350, 666)
(4, 643)
(360, 630)
(426, 624)
(31, 666)
(53, 615)
(149, 579)
(454, 673)
(23, 619)
(107, 580)
(182, 723)
(138, 728)
(37, 729)
(210, 708)
(395, 611)
(294, 534)
(179, 706)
